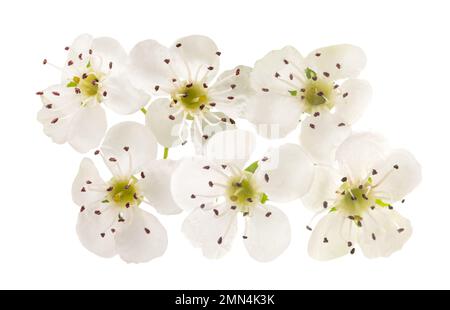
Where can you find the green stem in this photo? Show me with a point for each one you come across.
(166, 152)
(144, 110)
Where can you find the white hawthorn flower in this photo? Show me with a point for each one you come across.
(183, 75)
(93, 76)
(291, 88)
(356, 199)
(219, 188)
(111, 220)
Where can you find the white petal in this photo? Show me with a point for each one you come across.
(148, 69)
(169, 132)
(87, 186)
(141, 240)
(273, 72)
(214, 124)
(323, 188)
(60, 97)
(94, 229)
(383, 232)
(321, 136)
(273, 115)
(287, 173)
(359, 153)
(395, 184)
(331, 236)
(191, 183)
(231, 146)
(268, 233)
(231, 91)
(80, 46)
(109, 50)
(340, 61)
(200, 56)
(128, 147)
(156, 185)
(87, 128)
(122, 97)
(213, 234)
(358, 94)
(59, 105)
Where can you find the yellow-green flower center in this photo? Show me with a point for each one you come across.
(242, 192)
(355, 200)
(124, 192)
(87, 84)
(191, 96)
(317, 94)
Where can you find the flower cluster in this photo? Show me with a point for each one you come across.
(351, 180)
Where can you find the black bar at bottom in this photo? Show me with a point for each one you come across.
(208, 299)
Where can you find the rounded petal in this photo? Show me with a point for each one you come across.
(87, 128)
(122, 97)
(110, 54)
(148, 68)
(231, 91)
(321, 135)
(59, 97)
(286, 173)
(80, 46)
(397, 175)
(94, 229)
(169, 128)
(191, 183)
(323, 188)
(332, 237)
(279, 72)
(141, 240)
(231, 146)
(358, 94)
(213, 234)
(156, 185)
(128, 147)
(200, 55)
(85, 187)
(268, 233)
(359, 153)
(383, 232)
(274, 116)
(59, 105)
(339, 61)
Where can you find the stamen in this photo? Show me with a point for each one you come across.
(386, 176)
(45, 62)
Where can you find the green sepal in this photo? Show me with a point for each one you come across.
(381, 203)
(310, 73)
(264, 198)
(252, 168)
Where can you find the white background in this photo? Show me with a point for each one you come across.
(407, 45)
